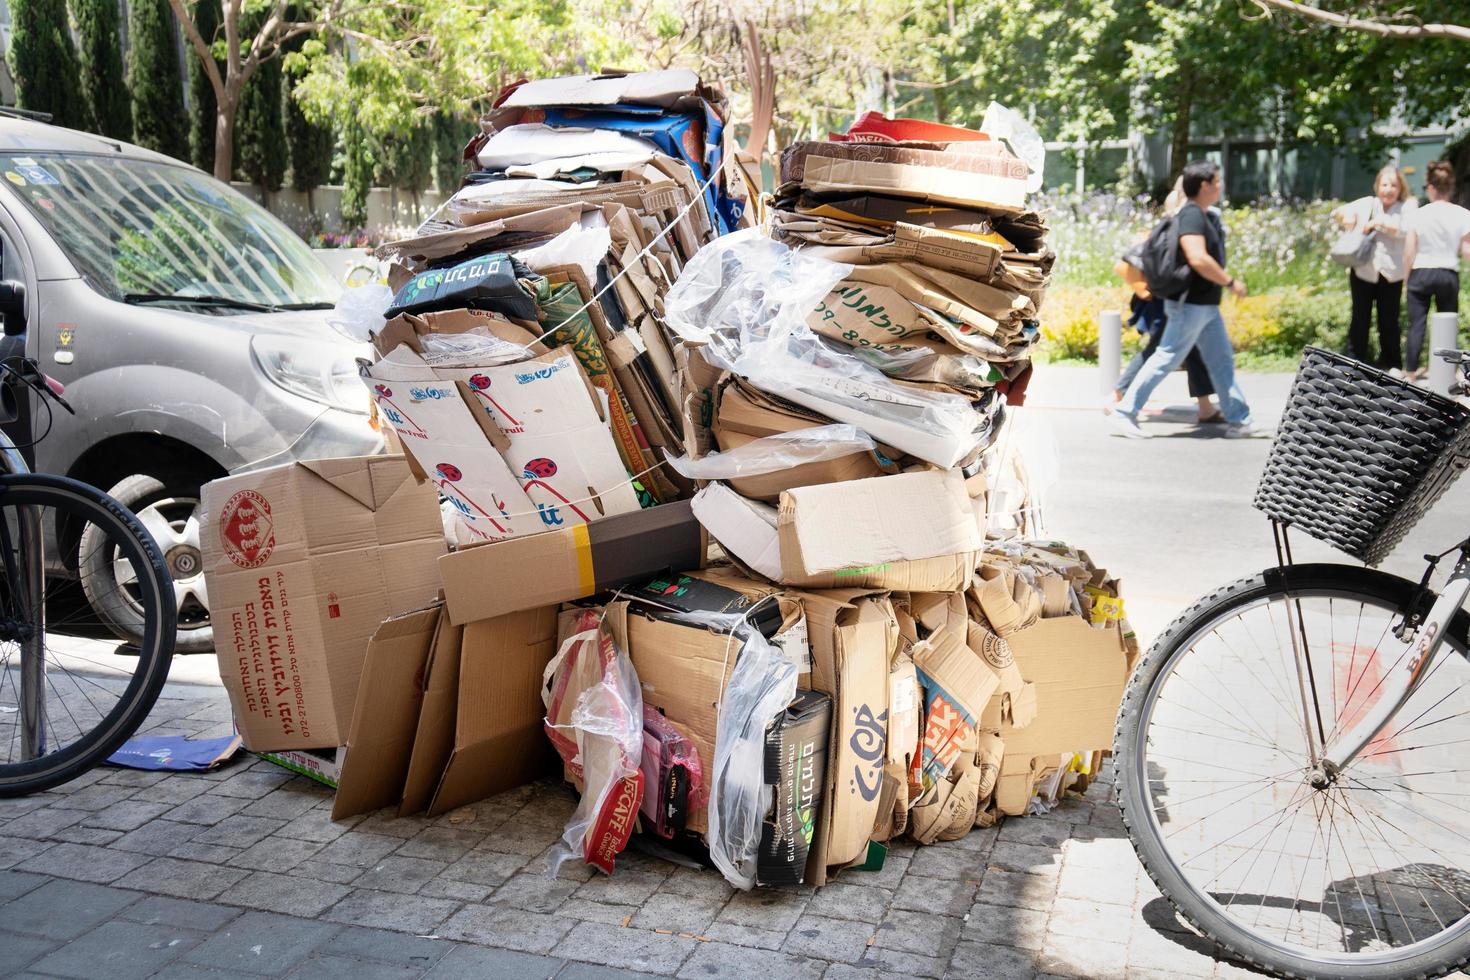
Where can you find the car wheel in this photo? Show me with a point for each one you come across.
(169, 509)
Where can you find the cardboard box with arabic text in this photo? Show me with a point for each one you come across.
(303, 562)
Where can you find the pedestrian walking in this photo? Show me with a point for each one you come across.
(1146, 314)
(1438, 235)
(1194, 318)
(1379, 281)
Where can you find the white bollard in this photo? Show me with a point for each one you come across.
(1443, 331)
(1109, 349)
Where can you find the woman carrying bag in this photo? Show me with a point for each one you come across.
(1372, 247)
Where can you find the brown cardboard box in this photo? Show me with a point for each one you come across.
(493, 579)
(303, 562)
(499, 742)
(992, 178)
(853, 636)
(411, 328)
(386, 715)
(881, 528)
(1079, 673)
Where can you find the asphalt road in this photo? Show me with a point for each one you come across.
(1172, 515)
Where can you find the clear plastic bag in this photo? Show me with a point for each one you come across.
(747, 297)
(761, 686)
(359, 311)
(1009, 125)
(594, 718)
(777, 453)
(476, 347)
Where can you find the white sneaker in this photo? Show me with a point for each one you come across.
(1126, 426)
(1246, 430)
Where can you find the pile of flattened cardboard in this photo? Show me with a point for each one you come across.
(699, 518)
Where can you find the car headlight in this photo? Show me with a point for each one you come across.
(327, 375)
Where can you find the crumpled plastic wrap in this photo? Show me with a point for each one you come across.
(594, 718)
(747, 297)
(761, 685)
(777, 453)
(359, 311)
(1009, 125)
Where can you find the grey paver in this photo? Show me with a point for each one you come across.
(22, 950)
(43, 823)
(918, 932)
(475, 963)
(838, 940)
(14, 850)
(238, 830)
(81, 834)
(1008, 889)
(763, 909)
(628, 949)
(208, 810)
(161, 910)
(157, 837)
(581, 908)
(119, 951)
(323, 967)
(534, 892)
(485, 868)
(903, 962)
(252, 784)
(360, 850)
(262, 943)
(316, 825)
(174, 791)
(286, 894)
(288, 802)
(748, 936)
(724, 960)
(276, 854)
(84, 863)
(998, 962)
(955, 864)
(839, 900)
(182, 879)
(14, 884)
(405, 875)
(208, 853)
(126, 815)
(97, 796)
(623, 887)
(340, 874)
(1018, 927)
(591, 971)
(460, 891)
(441, 844)
(1036, 859)
(1092, 959)
(511, 928)
(389, 910)
(63, 909)
(678, 913)
(387, 947)
(937, 895)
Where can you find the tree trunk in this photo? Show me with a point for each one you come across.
(1179, 139)
(224, 140)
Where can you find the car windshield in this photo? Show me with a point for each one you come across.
(147, 231)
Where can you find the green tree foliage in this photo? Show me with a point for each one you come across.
(203, 107)
(309, 144)
(102, 67)
(260, 129)
(451, 133)
(155, 79)
(407, 162)
(357, 176)
(43, 61)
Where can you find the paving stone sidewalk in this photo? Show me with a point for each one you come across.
(241, 872)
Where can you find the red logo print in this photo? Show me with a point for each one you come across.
(245, 529)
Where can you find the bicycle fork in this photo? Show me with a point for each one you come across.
(1410, 667)
(25, 569)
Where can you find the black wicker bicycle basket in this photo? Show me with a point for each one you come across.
(1360, 456)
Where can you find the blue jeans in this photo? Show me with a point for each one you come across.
(1198, 327)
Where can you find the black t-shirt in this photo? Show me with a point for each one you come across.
(1193, 221)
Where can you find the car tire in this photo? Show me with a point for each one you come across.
(168, 506)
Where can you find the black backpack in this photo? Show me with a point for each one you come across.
(1161, 261)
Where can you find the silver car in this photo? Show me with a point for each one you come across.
(188, 326)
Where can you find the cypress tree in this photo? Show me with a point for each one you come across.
(260, 129)
(103, 90)
(357, 176)
(309, 145)
(451, 133)
(155, 77)
(44, 63)
(204, 109)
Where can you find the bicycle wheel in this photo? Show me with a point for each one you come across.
(1368, 878)
(69, 696)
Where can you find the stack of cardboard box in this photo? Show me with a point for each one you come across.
(614, 408)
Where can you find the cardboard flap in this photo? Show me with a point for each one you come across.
(369, 485)
(387, 714)
(434, 740)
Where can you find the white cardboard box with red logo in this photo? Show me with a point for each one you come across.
(516, 448)
(303, 562)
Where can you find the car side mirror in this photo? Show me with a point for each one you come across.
(13, 307)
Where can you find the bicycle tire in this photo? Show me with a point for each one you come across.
(1232, 939)
(155, 647)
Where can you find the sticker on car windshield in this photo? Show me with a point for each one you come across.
(36, 175)
(24, 162)
(15, 178)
